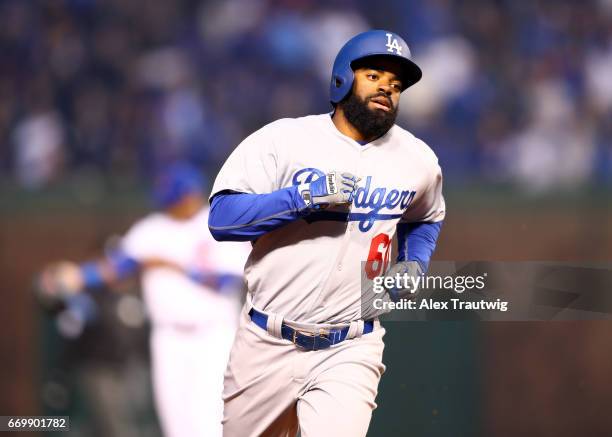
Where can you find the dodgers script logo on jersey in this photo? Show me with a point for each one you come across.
(375, 199)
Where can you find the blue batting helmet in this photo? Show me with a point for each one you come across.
(174, 182)
(371, 43)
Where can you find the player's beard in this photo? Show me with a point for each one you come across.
(371, 123)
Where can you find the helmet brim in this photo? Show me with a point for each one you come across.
(411, 73)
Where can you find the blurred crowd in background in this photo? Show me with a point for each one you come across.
(513, 92)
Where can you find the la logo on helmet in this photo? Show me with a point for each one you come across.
(393, 45)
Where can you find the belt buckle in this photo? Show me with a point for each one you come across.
(322, 334)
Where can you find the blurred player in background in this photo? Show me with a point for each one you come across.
(190, 286)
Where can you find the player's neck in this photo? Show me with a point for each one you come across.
(347, 128)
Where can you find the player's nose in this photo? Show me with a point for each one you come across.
(384, 88)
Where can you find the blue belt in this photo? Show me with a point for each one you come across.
(309, 340)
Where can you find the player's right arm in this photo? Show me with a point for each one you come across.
(247, 200)
(64, 280)
(246, 216)
(124, 260)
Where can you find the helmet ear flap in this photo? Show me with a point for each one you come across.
(341, 83)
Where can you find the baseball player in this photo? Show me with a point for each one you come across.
(189, 283)
(322, 197)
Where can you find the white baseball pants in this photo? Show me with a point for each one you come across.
(273, 388)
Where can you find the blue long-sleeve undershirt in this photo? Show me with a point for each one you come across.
(246, 217)
(417, 242)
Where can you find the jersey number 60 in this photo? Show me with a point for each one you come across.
(378, 258)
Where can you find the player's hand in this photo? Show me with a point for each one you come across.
(335, 188)
(397, 283)
(408, 272)
(59, 281)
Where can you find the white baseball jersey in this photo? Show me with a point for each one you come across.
(310, 270)
(171, 297)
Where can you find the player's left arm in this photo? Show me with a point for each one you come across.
(416, 242)
(418, 232)
(420, 225)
